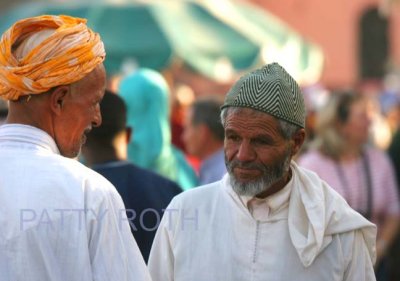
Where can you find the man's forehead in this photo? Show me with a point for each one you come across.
(96, 78)
(248, 119)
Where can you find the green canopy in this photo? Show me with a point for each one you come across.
(154, 33)
(278, 42)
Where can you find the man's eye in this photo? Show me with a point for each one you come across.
(260, 141)
(232, 137)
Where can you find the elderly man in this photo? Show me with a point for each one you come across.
(59, 220)
(267, 219)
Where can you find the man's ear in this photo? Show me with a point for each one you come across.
(57, 98)
(298, 140)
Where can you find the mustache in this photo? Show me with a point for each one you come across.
(244, 165)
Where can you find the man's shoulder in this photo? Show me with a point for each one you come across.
(73, 170)
(201, 195)
(150, 182)
(154, 177)
(134, 175)
(74, 166)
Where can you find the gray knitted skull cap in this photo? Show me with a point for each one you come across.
(269, 89)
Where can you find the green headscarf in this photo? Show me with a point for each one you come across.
(146, 95)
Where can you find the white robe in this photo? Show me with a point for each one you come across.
(208, 234)
(59, 220)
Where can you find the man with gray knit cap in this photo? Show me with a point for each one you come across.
(267, 219)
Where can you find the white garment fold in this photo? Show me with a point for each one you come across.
(314, 217)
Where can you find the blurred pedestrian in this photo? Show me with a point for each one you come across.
(394, 250)
(203, 137)
(60, 220)
(362, 174)
(146, 95)
(145, 194)
(267, 219)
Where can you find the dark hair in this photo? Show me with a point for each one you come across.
(113, 112)
(3, 108)
(344, 101)
(207, 111)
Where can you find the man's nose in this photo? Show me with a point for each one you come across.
(246, 152)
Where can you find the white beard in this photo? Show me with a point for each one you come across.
(270, 176)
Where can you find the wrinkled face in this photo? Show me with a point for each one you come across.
(256, 154)
(356, 128)
(191, 136)
(80, 112)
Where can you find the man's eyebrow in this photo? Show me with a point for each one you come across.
(230, 131)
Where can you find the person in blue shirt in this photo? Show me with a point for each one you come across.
(203, 136)
(145, 194)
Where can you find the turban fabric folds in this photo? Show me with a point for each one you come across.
(67, 53)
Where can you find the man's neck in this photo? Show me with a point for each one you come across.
(100, 156)
(32, 112)
(351, 153)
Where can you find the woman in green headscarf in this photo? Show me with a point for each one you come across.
(146, 95)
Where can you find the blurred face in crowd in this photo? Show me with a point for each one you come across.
(356, 128)
(192, 135)
(257, 155)
(80, 112)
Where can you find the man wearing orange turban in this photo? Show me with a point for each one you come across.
(60, 220)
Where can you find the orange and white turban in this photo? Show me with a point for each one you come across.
(39, 53)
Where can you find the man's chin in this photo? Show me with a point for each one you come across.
(247, 187)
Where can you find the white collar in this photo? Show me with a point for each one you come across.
(274, 201)
(25, 135)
